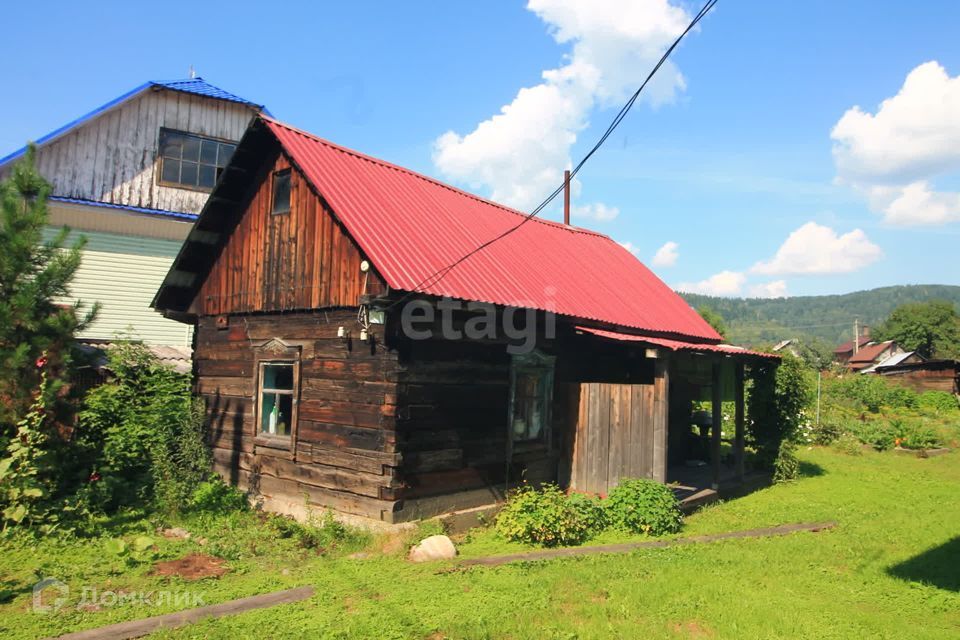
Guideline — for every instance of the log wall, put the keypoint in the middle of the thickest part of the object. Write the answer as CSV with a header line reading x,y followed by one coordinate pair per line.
x,y
344,452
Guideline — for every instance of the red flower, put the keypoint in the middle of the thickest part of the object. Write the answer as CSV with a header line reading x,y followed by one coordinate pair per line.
x,y
41,362
94,476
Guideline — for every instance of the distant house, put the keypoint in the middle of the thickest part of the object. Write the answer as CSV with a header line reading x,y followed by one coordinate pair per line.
x,y
791,346
843,353
131,176
905,357
873,353
340,371
929,375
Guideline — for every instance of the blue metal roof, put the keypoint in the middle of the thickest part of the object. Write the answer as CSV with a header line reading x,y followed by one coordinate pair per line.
x,y
109,205
197,86
201,87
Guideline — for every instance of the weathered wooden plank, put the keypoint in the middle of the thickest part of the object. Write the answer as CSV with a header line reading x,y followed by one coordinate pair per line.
x,y
138,628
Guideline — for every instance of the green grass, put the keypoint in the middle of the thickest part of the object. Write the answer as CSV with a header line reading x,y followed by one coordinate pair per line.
x,y
890,570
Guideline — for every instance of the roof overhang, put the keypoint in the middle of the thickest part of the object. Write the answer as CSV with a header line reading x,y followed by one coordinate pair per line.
x,y
678,345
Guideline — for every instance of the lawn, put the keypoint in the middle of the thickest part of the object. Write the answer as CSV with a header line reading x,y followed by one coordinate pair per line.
x,y
891,569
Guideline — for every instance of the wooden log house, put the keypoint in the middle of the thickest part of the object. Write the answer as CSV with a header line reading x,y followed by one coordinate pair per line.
x,y
346,366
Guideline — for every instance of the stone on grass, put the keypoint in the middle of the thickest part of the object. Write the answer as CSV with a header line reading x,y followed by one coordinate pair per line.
x,y
433,548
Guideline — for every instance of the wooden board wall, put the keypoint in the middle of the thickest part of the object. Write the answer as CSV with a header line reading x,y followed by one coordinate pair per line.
x,y
345,453
113,158
302,259
620,433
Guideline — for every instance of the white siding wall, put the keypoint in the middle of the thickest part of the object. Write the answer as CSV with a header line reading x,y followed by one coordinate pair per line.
x,y
123,273
113,158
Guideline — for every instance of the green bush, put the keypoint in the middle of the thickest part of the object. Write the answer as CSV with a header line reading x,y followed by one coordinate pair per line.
x,y
777,405
938,401
825,433
321,534
849,444
880,435
920,436
216,496
644,506
141,434
545,517
591,509
786,467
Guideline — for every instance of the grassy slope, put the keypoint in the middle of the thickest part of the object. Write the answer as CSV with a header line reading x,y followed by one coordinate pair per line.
x,y
828,318
828,585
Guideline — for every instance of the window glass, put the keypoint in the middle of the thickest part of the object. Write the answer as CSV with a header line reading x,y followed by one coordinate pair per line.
x,y
277,414
276,398
529,402
278,376
281,191
192,161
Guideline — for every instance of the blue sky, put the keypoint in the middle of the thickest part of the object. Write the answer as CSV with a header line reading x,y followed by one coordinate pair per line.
x,y
727,167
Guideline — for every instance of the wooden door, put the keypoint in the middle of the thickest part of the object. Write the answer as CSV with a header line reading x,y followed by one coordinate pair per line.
x,y
620,433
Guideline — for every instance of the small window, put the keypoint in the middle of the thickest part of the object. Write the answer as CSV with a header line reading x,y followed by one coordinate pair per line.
x,y
276,398
531,394
192,161
281,191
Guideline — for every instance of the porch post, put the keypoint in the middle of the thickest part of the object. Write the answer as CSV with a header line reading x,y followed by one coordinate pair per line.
x,y
717,420
661,418
739,418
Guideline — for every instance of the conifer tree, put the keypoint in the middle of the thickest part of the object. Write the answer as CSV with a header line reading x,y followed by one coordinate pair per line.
x,y
37,322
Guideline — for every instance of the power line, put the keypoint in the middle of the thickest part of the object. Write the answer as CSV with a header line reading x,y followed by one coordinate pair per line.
x,y
440,274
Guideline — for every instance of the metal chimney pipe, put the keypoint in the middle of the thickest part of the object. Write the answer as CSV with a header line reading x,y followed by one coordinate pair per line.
x,y
566,197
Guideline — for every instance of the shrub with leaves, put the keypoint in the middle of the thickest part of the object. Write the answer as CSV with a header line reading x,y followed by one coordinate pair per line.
x,y
644,506
545,517
938,401
592,509
142,435
776,405
848,444
786,467
216,496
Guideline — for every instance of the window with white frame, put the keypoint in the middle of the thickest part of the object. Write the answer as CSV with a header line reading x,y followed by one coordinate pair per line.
x,y
277,391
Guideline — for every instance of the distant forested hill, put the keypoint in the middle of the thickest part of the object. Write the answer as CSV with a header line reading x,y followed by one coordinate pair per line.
x,y
758,321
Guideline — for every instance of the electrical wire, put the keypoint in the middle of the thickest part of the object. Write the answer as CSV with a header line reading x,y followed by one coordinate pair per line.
x,y
440,274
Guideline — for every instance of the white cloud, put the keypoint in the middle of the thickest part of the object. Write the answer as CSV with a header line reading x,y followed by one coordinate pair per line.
x,y
632,248
816,249
892,155
596,211
773,289
725,283
519,153
666,256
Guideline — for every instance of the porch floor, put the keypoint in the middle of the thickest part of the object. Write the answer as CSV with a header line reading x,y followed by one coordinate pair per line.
x,y
693,486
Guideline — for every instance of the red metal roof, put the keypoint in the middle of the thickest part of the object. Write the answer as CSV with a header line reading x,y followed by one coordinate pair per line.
x,y
848,345
677,345
410,226
870,352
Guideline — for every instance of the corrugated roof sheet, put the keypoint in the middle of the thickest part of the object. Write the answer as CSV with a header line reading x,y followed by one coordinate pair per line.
x,y
201,87
678,345
411,226
870,352
892,361
848,345
197,86
163,213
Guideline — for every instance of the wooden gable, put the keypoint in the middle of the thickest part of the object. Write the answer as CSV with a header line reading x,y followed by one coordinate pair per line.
x,y
301,259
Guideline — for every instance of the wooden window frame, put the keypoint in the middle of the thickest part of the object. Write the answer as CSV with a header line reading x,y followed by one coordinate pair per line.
x,y
276,351
539,364
202,138
273,192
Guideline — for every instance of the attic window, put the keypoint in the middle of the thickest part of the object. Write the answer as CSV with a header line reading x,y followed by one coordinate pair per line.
x,y
281,191
191,161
